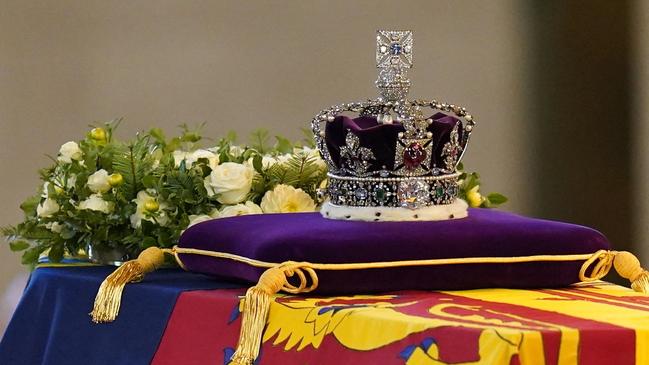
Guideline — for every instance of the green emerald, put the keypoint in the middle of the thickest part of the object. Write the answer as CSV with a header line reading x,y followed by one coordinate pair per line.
x,y
439,191
380,194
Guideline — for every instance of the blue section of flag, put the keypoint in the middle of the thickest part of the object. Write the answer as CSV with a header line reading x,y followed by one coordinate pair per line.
x,y
407,352
51,325
427,343
234,314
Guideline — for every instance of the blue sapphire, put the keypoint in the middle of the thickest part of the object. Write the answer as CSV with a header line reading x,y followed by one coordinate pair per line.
x,y
396,48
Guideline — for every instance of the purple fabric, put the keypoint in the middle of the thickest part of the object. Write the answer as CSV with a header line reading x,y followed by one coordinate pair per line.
x,y
382,138
309,237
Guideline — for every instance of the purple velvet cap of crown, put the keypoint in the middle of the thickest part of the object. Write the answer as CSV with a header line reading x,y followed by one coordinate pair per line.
x,y
310,237
382,138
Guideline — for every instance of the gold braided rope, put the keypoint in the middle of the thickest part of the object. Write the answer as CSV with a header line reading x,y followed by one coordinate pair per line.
x,y
256,303
387,264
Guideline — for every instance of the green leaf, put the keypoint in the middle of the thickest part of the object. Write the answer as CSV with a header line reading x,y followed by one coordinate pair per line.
x,y
471,181
148,242
56,253
30,204
224,156
497,198
257,163
150,181
30,256
158,135
259,140
18,245
283,145
308,140
248,153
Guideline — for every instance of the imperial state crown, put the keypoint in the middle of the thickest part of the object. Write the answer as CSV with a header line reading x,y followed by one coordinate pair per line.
x,y
393,158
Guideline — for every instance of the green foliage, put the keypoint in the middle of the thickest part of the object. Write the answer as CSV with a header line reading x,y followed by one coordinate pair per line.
x,y
301,170
133,161
154,171
259,140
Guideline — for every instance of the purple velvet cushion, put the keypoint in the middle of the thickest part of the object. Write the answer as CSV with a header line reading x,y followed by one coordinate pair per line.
x,y
309,237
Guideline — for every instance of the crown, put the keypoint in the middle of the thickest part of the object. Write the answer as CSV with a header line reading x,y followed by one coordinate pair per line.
x,y
393,158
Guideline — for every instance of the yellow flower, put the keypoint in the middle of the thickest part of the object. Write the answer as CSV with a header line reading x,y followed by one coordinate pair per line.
x,y
115,179
286,199
473,197
144,203
151,206
98,135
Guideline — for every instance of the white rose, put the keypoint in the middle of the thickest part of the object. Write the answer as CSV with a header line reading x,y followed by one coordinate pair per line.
x,y
211,157
96,203
192,157
195,219
70,151
236,151
98,182
159,216
287,199
55,227
47,208
240,209
230,182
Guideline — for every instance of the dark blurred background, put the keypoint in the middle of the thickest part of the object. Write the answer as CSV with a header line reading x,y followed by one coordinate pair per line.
x,y
558,88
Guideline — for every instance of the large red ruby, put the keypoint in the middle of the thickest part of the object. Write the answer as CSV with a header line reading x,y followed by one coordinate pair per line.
x,y
413,156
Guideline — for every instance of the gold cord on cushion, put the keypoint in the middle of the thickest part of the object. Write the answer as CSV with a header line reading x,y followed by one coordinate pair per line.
x,y
109,296
385,264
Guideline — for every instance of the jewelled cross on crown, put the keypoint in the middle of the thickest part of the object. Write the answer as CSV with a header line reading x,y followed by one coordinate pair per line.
x,y
393,58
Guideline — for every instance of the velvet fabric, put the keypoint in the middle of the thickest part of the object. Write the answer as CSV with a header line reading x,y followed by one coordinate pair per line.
x,y
310,237
382,138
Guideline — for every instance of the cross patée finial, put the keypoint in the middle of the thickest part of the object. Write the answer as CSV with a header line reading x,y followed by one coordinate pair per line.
x,y
393,58
394,48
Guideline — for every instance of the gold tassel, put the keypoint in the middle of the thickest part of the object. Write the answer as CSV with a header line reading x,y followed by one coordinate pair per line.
x,y
109,296
256,306
628,266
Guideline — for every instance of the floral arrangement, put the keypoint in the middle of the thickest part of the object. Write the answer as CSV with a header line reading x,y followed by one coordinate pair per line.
x,y
130,195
